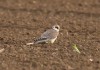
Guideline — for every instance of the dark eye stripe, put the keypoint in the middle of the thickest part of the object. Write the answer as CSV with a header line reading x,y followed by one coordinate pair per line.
x,y
56,27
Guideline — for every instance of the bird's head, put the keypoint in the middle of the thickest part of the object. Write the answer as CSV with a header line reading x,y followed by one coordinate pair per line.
x,y
56,27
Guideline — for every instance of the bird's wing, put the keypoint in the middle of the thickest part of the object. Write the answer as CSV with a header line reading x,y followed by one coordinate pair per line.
x,y
50,34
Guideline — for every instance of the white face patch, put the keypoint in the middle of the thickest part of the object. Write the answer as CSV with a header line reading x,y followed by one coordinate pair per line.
x,y
56,27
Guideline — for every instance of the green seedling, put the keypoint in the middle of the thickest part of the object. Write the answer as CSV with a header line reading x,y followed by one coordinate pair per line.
x,y
76,48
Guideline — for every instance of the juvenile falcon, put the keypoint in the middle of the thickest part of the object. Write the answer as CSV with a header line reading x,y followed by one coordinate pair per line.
x,y
48,36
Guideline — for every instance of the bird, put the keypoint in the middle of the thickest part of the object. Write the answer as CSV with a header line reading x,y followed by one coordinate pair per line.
x,y
49,36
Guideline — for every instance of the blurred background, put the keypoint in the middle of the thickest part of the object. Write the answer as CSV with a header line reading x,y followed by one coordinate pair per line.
x,y
21,21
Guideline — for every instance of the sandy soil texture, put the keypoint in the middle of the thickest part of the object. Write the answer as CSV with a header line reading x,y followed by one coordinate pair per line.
x,y
21,21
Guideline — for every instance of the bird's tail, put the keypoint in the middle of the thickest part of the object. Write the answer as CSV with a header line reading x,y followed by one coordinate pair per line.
x,y
30,43
38,41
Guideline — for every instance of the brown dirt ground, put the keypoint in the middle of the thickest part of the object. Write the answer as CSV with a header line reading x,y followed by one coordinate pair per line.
x,y
23,20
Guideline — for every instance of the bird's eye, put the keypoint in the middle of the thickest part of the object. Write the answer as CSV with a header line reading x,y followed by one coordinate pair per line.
x,y
56,27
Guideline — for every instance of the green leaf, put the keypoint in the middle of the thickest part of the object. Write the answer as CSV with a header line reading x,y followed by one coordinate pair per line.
x,y
76,48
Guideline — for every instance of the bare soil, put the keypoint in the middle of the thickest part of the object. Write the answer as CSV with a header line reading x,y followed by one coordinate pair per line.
x,y
21,21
